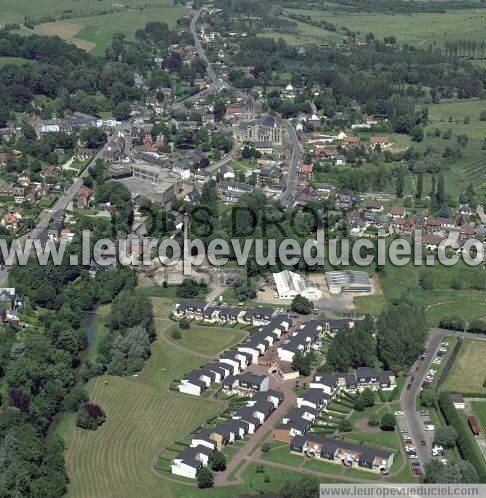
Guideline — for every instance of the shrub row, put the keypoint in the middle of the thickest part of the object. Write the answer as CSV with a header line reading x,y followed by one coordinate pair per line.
x,y
464,442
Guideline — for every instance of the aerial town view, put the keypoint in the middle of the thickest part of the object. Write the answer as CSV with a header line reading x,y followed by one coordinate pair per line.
x,y
242,248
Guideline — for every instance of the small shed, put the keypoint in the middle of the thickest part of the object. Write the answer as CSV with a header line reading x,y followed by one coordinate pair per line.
x,y
474,424
458,401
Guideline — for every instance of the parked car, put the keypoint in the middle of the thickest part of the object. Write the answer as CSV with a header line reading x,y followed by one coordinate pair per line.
x,y
413,456
423,443
414,464
398,413
416,471
424,413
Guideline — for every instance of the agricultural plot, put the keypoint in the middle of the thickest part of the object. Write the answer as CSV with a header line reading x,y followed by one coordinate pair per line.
x,y
414,29
88,29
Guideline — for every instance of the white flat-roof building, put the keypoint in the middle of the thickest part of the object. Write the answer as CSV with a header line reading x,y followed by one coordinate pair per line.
x,y
290,284
348,281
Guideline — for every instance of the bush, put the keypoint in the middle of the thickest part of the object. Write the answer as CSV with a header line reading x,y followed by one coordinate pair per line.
x,y
184,324
345,426
90,416
205,478
477,327
176,335
374,420
388,422
464,442
265,447
452,322
217,461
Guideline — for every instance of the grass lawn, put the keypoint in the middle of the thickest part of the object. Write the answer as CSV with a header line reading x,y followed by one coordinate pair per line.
x,y
277,477
281,454
209,340
323,466
366,413
362,474
379,438
143,417
480,411
16,61
469,370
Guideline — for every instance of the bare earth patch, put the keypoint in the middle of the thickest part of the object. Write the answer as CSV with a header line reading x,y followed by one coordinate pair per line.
x,y
67,31
362,425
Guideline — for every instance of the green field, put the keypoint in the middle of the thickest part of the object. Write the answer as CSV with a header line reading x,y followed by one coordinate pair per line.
x,y
88,30
209,340
16,61
414,29
469,370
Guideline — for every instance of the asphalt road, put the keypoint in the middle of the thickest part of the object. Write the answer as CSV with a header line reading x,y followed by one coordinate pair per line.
x,y
216,84
60,204
413,420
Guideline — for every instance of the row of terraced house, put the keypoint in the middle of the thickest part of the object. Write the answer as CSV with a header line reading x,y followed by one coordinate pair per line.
x,y
229,369
297,423
246,420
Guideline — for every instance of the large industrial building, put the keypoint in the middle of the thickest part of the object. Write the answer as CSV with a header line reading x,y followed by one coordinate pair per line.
x,y
348,281
290,284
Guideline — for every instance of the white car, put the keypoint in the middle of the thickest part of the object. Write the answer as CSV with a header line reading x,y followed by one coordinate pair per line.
x,y
398,413
410,447
413,456
429,427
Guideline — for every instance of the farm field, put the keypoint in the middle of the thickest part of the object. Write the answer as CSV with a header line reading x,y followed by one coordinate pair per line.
x,y
468,373
450,114
414,29
442,300
92,33
209,340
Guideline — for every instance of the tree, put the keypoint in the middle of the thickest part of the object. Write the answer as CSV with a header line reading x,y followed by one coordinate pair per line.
x,y
266,447
426,280
452,322
420,185
244,289
428,397
400,182
217,460
477,326
300,487
302,363
368,397
401,333
190,288
446,436
345,426
94,138
90,416
417,133
388,422
301,305
122,111
219,110
374,420
482,116
359,404
440,196
205,478
452,472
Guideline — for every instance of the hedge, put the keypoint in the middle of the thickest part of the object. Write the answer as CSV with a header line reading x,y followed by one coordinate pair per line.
x,y
464,442
381,394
